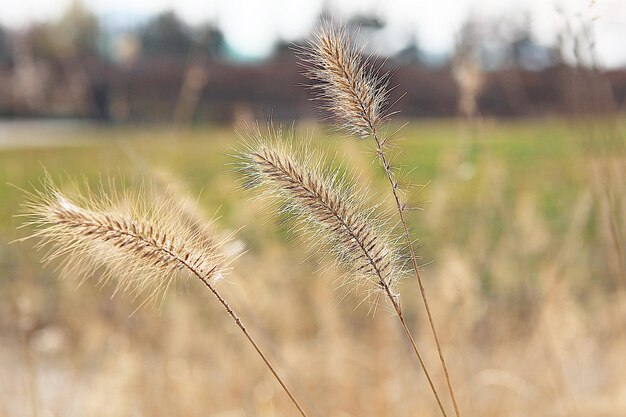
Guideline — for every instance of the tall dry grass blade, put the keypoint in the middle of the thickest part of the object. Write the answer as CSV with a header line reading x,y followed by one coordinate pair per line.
x,y
143,246
336,216
357,95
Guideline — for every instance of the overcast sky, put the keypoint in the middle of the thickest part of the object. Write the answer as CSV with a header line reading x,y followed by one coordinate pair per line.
x,y
252,26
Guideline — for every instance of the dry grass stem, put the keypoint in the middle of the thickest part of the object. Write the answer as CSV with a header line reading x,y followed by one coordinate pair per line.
x,y
337,216
357,95
143,246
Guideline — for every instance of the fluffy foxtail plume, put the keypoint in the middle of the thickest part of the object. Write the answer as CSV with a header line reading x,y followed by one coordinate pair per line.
x,y
330,213
356,95
336,217
353,92
141,244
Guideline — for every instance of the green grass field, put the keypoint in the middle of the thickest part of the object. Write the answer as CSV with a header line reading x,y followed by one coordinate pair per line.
x,y
539,157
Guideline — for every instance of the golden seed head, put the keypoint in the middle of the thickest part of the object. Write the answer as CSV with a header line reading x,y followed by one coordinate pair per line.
x,y
352,91
332,215
141,242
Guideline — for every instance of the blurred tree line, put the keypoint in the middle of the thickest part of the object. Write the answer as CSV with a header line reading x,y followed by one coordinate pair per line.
x,y
165,70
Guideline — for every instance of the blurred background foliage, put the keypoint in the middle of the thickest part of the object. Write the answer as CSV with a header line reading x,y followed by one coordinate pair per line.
x,y
162,69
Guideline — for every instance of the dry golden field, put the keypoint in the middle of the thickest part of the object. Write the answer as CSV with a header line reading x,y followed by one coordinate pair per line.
x,y
520,224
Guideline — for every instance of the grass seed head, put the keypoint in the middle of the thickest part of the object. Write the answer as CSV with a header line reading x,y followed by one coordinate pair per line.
x,y
353,92
138,239
333,216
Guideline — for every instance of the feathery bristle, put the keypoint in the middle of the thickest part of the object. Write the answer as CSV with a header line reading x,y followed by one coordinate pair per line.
x,y
332,214
353,92
142,244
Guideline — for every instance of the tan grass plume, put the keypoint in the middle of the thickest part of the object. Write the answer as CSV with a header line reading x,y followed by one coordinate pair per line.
x,y
354,93
333,217
357,94
338,218
142,245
